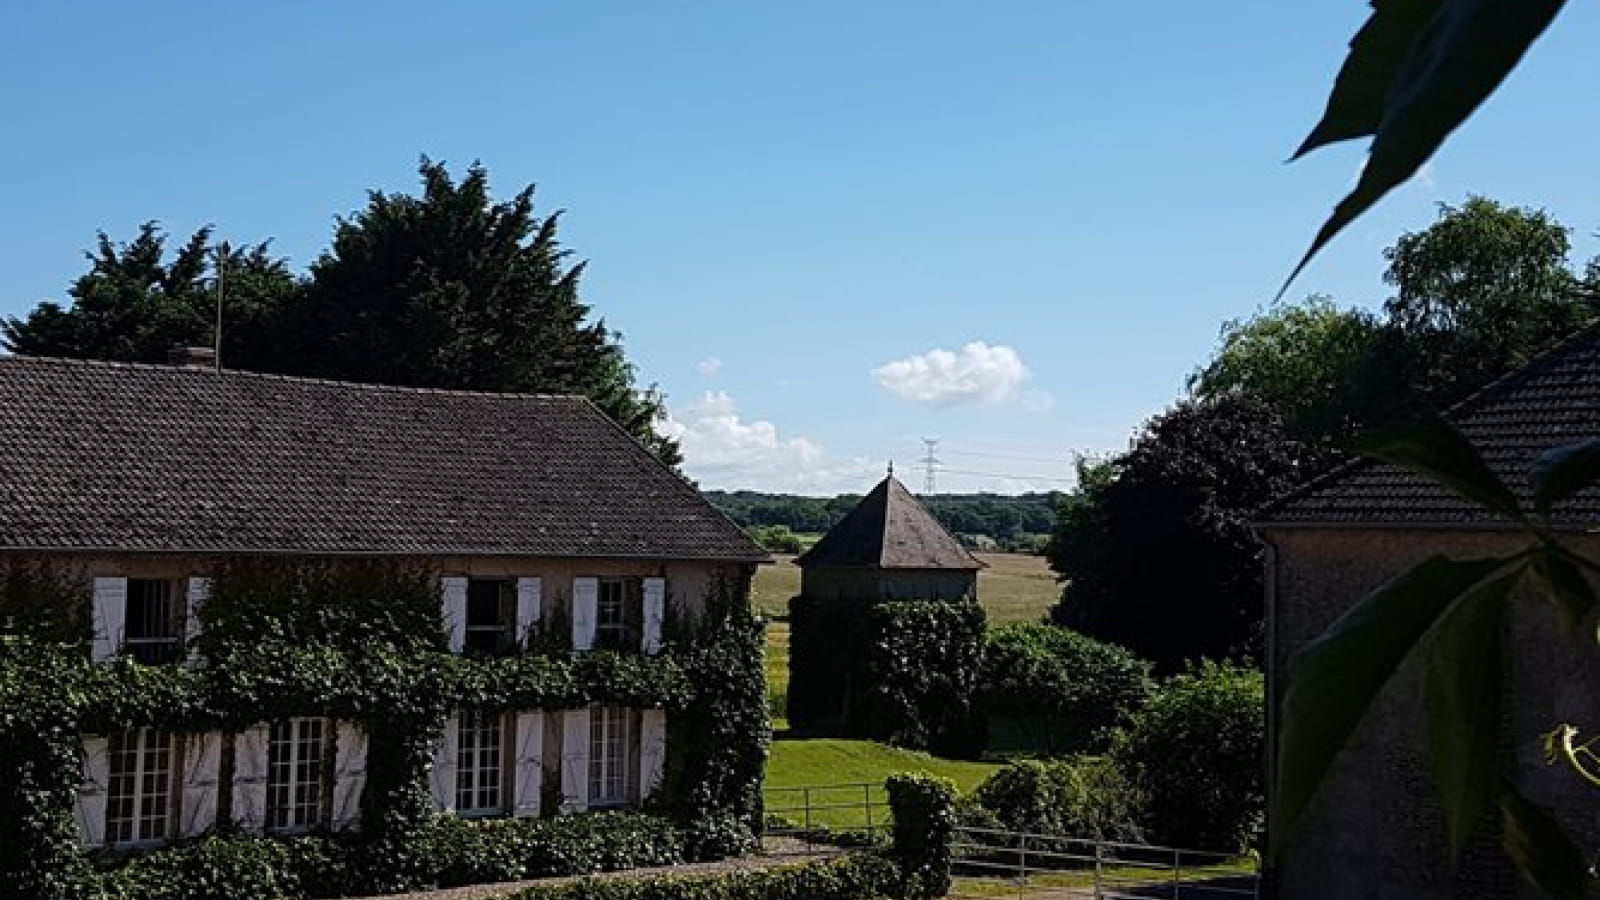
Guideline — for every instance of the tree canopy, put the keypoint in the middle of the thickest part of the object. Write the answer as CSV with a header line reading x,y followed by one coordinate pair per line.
x,y
446,289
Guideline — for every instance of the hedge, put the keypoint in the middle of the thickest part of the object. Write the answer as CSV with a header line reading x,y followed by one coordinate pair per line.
x,y
856,876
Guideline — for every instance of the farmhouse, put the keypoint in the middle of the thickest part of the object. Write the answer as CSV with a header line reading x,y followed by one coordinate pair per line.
x,y
1375,828
534,517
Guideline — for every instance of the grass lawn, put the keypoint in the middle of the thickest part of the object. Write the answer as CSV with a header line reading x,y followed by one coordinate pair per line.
x,y
801,763
777,666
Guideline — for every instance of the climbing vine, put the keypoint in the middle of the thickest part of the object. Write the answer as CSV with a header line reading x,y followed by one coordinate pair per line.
x,y
363,643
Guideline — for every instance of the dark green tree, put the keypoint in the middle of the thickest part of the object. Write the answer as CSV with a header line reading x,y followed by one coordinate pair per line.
x,y
1156,549
135,303
452,289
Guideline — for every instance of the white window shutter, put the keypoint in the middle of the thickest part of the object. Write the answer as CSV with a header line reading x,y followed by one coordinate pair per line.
x,y
443,777
530,599
110,615
528,777
91,805
652,751
585,611
454,594
250,778
198,808
198,593
575,761
655,610
350,775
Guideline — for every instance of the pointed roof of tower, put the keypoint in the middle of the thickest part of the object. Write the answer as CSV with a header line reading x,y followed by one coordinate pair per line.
x,y
889,529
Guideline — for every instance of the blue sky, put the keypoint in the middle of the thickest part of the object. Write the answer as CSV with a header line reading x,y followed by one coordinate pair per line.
x,y
788,207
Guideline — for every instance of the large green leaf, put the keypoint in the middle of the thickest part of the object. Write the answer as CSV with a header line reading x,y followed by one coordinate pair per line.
x,y
1560,472
1569,587
1332,680
1541,848
1452,65
1356,104
1433,447
1464,701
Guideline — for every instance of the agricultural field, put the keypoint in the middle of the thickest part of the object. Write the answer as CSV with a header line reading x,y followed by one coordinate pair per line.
x,y
1014,588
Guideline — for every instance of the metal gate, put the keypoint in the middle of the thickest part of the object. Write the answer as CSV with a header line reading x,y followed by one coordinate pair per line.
x,y
989,863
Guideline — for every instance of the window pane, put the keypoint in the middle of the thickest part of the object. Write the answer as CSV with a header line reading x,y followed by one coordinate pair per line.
x,y
151,628
478,761
294,774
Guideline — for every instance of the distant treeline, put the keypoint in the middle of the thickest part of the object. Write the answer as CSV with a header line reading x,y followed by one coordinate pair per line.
x,y
999,516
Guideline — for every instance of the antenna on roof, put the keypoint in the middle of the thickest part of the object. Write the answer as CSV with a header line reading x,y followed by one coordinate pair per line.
x,y
222,268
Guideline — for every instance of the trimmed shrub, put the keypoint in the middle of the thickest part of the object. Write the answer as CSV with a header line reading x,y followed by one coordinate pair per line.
x,y
855,877
1198,750
1061,690
466,851
921,676
1078,798
924,821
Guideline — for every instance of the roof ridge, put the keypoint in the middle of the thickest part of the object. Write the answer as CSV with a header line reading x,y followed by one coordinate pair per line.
x,y
1453,414
275,376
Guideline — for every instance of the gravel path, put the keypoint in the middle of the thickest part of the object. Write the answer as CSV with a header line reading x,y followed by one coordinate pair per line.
x,y
780,855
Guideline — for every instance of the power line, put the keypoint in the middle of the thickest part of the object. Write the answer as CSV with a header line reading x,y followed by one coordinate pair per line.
x,y
930,464
1011,475
1027,456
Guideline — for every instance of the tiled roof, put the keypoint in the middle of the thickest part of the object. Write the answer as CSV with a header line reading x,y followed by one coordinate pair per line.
x,y
889,529
98,455
1554,400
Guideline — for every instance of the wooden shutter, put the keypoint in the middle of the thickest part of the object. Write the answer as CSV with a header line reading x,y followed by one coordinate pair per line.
x,y
528,759
585,612
652,751
110,615
530,598
91,805
655,610
250,778
575,761
201,761
443,776
350,775
454,597
198,593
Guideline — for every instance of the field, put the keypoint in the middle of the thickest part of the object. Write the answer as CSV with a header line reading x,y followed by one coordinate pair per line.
x,y
796,763
1014,588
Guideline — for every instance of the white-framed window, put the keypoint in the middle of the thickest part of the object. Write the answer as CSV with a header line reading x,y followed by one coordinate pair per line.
x,y
297,754
491,616
619,614
480,763
613,733
152,632
139,787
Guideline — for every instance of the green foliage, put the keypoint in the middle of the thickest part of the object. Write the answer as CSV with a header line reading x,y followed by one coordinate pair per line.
x,y
1417,70
38,600
1196,750
858,876
924,823
474,851
1083,797
1071,688
1451,614
449,289
777,538
920,679
827,647
1006,518
1157,550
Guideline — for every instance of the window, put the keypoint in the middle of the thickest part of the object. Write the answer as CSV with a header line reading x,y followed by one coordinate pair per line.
x,y
139,787
480,763
611,737
151,634
491,616
619,616
295,756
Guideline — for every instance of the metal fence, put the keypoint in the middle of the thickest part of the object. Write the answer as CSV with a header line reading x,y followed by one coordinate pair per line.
x,y
990,863
825,818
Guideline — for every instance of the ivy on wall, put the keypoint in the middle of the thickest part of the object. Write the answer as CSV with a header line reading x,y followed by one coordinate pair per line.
x,y
359,641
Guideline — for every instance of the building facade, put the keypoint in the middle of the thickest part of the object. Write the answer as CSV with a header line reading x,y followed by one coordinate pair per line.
x,y
534,517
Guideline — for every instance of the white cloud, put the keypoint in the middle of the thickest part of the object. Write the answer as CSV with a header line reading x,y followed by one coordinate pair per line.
x,y
709,367
977,373
722,449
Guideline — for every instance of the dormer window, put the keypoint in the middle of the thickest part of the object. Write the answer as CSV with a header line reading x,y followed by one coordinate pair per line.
x,y
491,616
153,632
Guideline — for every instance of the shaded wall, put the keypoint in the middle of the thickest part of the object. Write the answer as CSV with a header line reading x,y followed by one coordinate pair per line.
x,y
828,583
1375,829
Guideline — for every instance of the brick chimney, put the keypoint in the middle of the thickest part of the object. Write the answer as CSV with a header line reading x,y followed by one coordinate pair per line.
x,y
192,357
